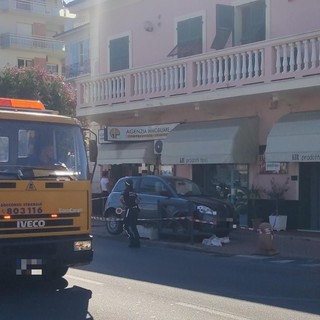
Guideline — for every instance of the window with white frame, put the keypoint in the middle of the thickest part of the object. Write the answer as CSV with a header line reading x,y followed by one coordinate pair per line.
x,y
52,68
22,63
119,53
78,58
243,23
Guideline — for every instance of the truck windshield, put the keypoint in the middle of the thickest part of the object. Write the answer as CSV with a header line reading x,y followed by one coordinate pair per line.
x,y
36,149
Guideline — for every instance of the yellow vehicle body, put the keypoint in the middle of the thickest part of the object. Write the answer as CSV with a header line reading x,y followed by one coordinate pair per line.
x,y
45,208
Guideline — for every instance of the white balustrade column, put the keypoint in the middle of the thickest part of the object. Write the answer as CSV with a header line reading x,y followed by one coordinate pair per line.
x,y
244,65
278,60
215,71
299,56
291,58
238,66
250,65
232,71
176,78
284,59
262,62
198,73
220,72
305,55
313,53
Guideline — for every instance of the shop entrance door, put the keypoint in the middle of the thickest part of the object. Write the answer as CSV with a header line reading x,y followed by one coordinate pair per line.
x,y
310,195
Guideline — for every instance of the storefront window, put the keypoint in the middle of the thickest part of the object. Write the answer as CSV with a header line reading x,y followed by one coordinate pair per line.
x,y
224,181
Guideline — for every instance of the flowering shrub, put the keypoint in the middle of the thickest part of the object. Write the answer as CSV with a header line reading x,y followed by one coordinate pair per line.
x,y
36,84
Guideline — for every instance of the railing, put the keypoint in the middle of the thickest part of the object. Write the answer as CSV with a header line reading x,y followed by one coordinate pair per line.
x,y
10,40
77,69
262,62
38,7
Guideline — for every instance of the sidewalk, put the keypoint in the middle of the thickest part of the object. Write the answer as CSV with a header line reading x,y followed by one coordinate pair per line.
x,y
287,244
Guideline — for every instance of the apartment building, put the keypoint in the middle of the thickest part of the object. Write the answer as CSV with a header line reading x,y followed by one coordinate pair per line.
x,y
27,34
225,92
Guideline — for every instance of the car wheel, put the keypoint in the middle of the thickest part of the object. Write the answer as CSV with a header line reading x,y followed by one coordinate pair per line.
x,y
113,224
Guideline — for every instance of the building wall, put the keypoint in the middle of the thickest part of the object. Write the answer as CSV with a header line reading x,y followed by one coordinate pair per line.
x,y
286,17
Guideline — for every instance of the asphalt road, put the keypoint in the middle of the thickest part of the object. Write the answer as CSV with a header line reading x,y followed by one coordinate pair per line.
x,y
163,283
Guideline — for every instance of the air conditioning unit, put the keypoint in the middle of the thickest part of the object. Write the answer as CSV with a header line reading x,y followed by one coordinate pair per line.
x,y
157,147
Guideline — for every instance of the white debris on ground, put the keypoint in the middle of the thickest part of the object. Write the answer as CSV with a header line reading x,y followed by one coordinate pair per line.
x,y
215,241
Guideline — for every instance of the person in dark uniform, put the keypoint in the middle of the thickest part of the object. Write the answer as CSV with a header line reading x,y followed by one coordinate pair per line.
x,y
129,200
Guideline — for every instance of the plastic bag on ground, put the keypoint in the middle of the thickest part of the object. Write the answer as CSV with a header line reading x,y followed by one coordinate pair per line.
x,y
212,241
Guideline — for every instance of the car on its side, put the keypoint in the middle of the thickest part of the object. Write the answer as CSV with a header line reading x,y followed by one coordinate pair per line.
x,y
170,203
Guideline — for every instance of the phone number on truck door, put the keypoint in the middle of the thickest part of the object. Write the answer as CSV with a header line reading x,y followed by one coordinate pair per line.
x,y
21,208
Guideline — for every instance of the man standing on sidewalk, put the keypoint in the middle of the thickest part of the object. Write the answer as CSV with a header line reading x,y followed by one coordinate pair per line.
x,y
104,182
129,200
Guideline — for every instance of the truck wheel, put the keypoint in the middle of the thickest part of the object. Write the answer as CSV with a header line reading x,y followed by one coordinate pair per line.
x,y
114,226
56,273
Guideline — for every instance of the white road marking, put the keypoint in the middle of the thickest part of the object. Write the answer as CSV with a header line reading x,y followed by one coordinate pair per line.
x,y
252,257
211,311
282,261
310,265
84,280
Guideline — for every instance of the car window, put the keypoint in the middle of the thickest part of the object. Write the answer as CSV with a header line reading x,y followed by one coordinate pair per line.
x,y
148,186
120,185
153,186
184,187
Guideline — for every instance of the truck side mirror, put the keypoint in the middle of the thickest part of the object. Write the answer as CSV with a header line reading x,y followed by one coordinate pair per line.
x,y
93,150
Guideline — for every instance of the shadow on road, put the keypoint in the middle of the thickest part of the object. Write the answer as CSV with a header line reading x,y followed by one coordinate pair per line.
x,y
36,299
262,280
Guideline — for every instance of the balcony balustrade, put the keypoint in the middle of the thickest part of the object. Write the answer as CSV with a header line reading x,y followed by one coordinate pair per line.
x,y
36,7
261,62
77,69
10,40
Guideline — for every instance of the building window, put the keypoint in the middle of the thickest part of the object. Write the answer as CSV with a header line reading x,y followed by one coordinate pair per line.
x,y
189,38
244,23
119,54
52,68
224,26
25,63
253,22
23,5
78,59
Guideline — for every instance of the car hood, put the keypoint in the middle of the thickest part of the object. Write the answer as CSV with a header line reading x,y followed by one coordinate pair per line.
x,y
208,201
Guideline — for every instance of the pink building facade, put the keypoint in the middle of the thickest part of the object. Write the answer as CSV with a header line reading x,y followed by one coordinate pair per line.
x,y
224,92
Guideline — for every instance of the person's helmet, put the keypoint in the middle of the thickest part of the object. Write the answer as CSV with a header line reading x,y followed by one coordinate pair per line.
x,y
129,183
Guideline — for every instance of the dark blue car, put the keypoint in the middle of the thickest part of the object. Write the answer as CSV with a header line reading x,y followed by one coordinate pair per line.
x,y
171,203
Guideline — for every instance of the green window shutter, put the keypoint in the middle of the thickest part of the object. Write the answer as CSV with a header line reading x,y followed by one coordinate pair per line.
x,y
224,26
189,34
119,54
254,22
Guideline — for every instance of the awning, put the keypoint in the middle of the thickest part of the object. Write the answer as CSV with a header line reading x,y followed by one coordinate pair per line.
x,y
125,152
295,138
221,141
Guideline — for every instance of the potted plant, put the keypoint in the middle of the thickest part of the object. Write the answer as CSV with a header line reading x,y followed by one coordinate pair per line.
x,y
276,193
254,194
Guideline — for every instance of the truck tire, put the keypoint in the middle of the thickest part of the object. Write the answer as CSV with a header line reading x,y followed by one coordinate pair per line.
x,y
113,225
56,273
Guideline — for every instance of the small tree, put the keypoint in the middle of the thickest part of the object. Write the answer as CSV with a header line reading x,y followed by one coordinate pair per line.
x,y
37,84
277,192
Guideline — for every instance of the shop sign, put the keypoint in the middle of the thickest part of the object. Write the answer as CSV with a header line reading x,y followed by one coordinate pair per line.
x,y
273,166
193,160
305,157
138,133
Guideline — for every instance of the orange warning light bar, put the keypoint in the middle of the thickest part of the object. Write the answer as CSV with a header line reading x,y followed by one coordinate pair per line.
x,y
7,217
20,103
